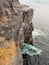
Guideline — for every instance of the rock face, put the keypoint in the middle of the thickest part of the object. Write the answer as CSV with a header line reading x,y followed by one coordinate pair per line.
x,y
16,27
9,52
17,18
27,19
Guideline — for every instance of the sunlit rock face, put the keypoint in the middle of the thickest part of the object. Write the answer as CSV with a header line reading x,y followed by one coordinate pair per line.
x,y
9,52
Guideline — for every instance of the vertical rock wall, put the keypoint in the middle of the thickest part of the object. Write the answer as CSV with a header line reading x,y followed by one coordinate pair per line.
x,y
15,27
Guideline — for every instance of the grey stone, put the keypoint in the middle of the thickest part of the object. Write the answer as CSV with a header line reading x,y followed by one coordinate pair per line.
x,y
16,24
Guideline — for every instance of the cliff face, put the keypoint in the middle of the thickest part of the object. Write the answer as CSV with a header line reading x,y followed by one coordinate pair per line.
x,y
15,27
17,19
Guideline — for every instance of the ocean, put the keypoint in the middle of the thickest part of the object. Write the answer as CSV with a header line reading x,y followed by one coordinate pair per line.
x,y
41,25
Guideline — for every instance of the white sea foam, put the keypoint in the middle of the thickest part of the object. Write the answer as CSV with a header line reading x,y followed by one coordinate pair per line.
x,y
38,32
